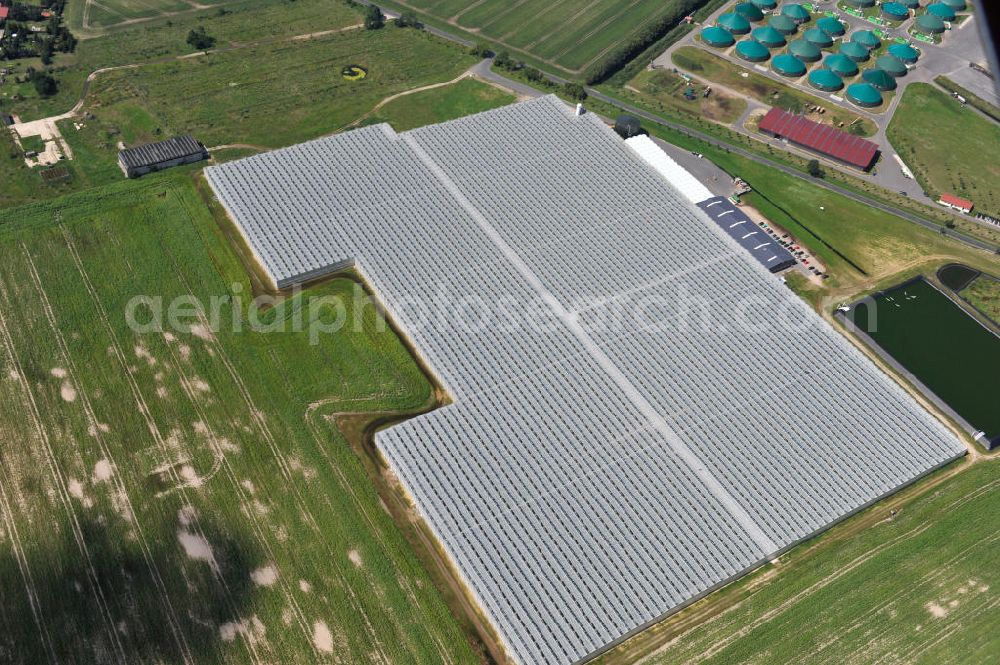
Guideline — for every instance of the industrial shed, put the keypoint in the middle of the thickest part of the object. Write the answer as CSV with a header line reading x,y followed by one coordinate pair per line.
x,y
143,159
585,479
823,139
735,223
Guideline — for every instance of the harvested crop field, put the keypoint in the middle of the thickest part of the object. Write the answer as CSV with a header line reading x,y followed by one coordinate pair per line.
x,y
183,496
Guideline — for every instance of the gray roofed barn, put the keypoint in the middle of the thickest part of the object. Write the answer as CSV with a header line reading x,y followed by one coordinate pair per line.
x,y
150,157
588,478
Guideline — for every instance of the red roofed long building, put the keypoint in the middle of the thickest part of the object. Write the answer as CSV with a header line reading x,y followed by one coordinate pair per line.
x,y
823,139
4,13
952,201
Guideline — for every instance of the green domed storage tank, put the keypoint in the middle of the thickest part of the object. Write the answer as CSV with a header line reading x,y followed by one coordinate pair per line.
x,y
768,36
796,12
942,11
735,23
864,94
717,37
788,65
819,38
750,11
831,26
867,38
825,80
752,51
929,24
854,51
841,65
956,5
783,24
892,65
894,11
880,79
805,51
904,52
766,5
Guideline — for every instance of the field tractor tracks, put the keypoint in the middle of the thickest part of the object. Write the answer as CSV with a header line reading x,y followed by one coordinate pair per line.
x,y
116,478
34,414
143,409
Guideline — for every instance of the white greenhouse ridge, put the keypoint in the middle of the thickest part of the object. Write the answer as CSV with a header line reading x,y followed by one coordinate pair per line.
x,y
586,481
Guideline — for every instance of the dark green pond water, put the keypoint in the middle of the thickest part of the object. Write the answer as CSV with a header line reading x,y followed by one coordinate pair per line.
x,y
948,350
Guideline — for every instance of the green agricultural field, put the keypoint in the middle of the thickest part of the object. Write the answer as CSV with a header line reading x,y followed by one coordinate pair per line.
x,y
245,22
567,34
920,587
943,144
664,90
699,62
459,99
90,15
271,95
185,495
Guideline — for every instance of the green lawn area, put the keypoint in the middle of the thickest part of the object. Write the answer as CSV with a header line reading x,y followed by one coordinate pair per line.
x,y
32,144
243,22
918,588
699,62
187,494
984,293
460,99
665,90
944,144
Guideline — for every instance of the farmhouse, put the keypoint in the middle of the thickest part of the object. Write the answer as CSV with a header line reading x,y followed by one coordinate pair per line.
x,y
622,437
956,203
823,139
175,151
